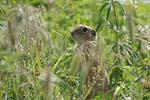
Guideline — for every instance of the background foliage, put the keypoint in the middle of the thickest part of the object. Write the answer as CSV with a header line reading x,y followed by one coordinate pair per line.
x,y
36,49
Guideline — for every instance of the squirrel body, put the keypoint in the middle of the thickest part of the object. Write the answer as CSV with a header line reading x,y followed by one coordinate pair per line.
x,y
96,75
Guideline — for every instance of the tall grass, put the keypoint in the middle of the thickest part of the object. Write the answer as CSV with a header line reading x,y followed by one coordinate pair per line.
x,y
36,50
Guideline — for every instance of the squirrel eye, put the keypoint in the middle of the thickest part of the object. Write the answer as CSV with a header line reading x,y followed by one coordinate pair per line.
x,y
85,29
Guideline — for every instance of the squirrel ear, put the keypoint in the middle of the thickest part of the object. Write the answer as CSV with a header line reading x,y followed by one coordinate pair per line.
x,y
93,32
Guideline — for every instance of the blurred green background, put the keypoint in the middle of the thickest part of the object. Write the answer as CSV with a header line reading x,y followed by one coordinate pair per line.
x,y
36,48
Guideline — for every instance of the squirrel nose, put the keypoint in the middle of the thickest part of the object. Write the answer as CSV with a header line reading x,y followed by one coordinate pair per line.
x,y
72,32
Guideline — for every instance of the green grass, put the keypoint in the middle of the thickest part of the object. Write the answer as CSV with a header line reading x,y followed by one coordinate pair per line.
x,y
36,49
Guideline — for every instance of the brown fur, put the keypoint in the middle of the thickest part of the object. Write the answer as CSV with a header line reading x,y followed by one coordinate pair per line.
x,y
97,79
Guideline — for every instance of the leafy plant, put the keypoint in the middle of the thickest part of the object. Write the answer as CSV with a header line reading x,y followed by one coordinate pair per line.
x,y
36,50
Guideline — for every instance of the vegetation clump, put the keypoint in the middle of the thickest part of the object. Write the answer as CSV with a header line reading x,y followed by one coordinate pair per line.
x,y
36,49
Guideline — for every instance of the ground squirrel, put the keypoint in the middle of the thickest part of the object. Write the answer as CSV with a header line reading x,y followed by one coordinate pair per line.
x,y
96,78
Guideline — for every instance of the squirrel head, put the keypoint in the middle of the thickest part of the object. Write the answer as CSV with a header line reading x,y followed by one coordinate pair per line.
x,y
83,33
